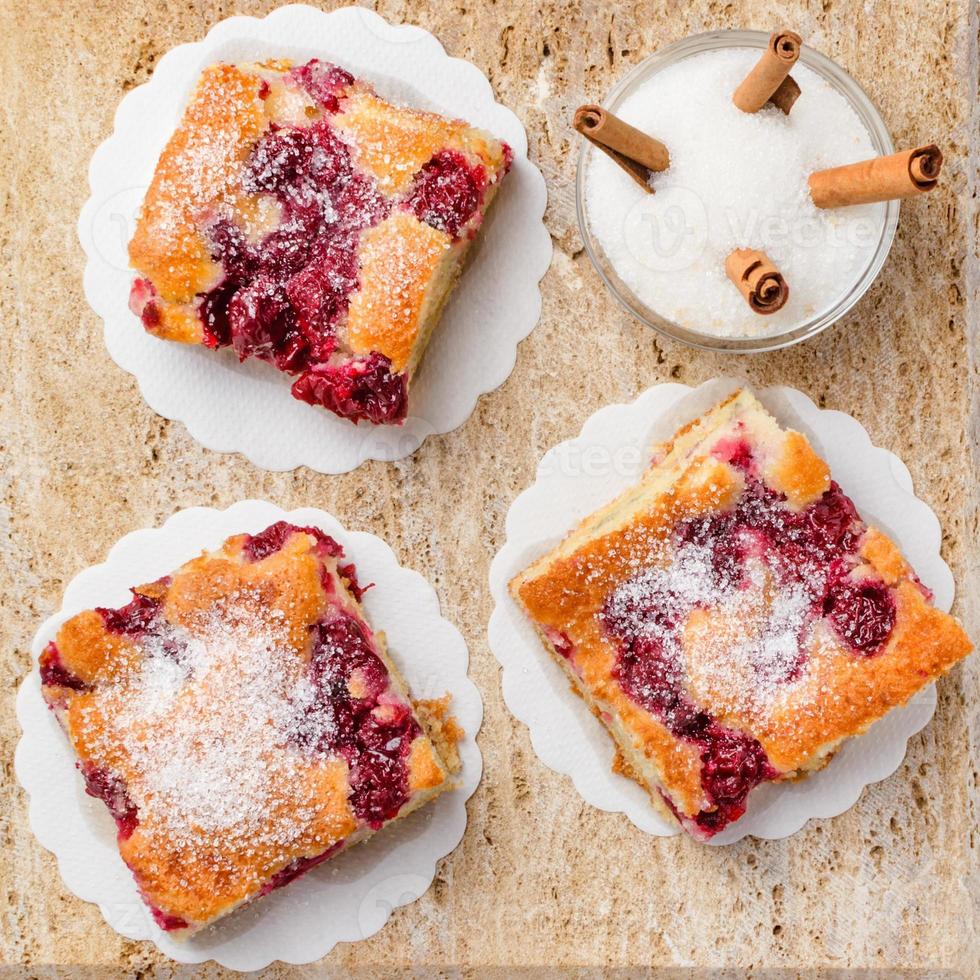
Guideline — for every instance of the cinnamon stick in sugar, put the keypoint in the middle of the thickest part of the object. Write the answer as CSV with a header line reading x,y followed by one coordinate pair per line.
x,y
759,281
769,75
786,95
879,179
637,153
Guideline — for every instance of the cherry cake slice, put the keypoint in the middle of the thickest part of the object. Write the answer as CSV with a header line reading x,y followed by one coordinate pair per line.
x,y
243,723
731,619
297,217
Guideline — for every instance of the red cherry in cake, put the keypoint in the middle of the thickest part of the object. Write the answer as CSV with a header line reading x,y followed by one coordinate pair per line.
x,y
260,318
649,676
134,619
109,788
379,777
826,525
736,451
231,248
361,388
324,81
358,203
320,294
733,764
142,297
375,736
299,867
55,674
349,572
561,642
861,613
271,540
167,922
213,313
447,191
283,296
282,163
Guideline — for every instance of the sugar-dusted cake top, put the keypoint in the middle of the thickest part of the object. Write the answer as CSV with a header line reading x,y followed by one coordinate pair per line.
x,y
240,720
738,615
297,217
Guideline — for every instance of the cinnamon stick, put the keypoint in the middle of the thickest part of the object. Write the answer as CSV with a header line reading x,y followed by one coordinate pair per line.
x,y
759,281
769,73
637,153
879,179
786,95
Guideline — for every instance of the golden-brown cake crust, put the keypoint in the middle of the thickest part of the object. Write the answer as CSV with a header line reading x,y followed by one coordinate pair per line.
x,y
398,260
393,142
200,167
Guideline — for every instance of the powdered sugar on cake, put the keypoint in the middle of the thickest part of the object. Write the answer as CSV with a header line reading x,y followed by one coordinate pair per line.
x,y
757,626
209,722
733,603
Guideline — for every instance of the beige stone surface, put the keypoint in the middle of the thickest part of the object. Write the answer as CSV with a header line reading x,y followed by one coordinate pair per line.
x,y
541,877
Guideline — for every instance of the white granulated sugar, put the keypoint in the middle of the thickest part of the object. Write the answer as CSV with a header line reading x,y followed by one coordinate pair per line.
x,y
736,180
760,627
208,722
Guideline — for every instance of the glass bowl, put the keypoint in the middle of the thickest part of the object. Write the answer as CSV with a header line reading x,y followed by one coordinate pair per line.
x,y
880,139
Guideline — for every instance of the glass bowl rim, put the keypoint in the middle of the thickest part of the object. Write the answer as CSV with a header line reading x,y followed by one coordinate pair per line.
x,y
866,111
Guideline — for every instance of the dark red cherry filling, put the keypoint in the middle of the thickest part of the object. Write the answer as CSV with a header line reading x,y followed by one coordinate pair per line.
x,y
447,191
349,572
135,618
271,540
828,525
379,774
861,613
298,868
319,295
562,643
360,388
325,82
282,297
213,313
166,921
55,674
260,319
810,553
372,734
732,765
735,450
109,788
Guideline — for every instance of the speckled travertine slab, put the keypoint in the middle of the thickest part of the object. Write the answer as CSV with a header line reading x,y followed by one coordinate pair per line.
x,y
541,878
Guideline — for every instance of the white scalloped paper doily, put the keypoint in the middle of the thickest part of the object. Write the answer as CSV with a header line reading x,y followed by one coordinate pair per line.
x,y
575,478
247,408
343,900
